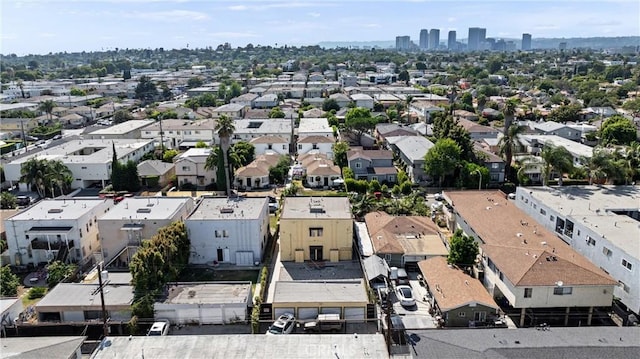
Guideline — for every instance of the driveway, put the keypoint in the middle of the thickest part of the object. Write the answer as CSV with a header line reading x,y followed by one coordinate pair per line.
x,y
416,317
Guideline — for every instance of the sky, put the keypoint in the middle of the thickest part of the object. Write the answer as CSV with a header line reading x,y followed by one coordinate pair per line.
x,y
43,26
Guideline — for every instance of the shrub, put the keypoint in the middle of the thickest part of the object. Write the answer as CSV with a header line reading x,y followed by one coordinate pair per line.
x,y
37,292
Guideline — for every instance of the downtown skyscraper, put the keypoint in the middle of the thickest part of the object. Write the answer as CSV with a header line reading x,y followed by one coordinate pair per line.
x,y
476,39
424,40
434,39
452,45
526,42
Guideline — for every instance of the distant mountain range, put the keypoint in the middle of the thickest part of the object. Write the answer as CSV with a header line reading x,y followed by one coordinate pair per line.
x,y
536,43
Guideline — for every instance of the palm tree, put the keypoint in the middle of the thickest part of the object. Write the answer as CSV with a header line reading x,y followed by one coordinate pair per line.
x,y
60,175
632,158
34,172
225,128
509,144
47,106
509,111
556,159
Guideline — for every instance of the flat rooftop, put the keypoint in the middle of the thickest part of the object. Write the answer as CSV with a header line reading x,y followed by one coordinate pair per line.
x,y
58,209
208,293
593,206
263,126
223,208
314,125
174,124
147,208
316,207
122,128
40,347
576,342
87,151
317,346
81,295
343,291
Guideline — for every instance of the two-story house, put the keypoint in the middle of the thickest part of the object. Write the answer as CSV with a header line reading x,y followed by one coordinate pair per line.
x,y
190,168
255,175
372,164
411,151
316,229
122,229
55,229
270,145
233,230
182,134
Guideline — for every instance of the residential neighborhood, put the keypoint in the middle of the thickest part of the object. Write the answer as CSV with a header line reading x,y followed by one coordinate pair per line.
x,y
459,199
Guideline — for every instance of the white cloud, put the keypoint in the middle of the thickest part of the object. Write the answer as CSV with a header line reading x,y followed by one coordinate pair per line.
x,y
314,14
261,6
372,25
170,15
451,19
238,7
47,34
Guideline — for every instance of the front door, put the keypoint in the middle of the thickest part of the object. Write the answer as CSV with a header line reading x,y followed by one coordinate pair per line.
x,y
480,316
315,253
220,255
326,181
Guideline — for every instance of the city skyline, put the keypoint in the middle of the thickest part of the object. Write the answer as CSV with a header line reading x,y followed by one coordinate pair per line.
x,y
40,27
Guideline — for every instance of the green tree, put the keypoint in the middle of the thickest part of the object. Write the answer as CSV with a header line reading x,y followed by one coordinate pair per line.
x,y
617,130
358,121
330,104
42,173
632,105
201,144
276,112
403,76
57,271
207,100
225,128
463,250
47,107
442,159
245,151
193,104
374,186
509,144
279,172
194,82
146,90
556,160
169,155
77,92
565,113
59,175
340,150
494,65
9,282
7,200
121,116
235,90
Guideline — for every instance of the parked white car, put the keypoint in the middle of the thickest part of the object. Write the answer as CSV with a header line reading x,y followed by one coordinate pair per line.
x,y
283,325
159,329
405,296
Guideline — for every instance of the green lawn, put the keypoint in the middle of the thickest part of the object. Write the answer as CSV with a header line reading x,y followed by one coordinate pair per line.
x,y
193,274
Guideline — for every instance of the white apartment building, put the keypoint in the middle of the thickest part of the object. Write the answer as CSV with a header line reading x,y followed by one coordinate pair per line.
x,y
270,145
182,133
190,168
88,160
223,230
56,229
599,222
129,129
246,130
122,229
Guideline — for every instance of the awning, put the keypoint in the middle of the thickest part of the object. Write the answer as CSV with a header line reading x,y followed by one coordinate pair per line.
x,y
49,230
132,227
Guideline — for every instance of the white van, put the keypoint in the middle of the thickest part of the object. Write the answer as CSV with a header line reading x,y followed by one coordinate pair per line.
x,y
399,276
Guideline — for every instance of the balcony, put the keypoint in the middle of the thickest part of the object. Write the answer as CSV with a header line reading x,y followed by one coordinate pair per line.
x,y
54,245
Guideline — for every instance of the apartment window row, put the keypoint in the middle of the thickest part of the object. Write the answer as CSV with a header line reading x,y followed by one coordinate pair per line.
x,y
626,264
224,233
315,232
562,290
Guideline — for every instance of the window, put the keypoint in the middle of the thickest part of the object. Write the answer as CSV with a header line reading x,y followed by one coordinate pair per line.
x,y
543,212
270,146
284,147
147,132
315,146
217,234
552,218
528,292
568,229
387,257
225,233
495,165
462,314
315,232
626,264
625,287
299,147
358,165
606,251
186,168
562,290
534,205
591,241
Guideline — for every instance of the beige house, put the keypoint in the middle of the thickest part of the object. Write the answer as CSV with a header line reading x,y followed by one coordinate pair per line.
x,y
316,229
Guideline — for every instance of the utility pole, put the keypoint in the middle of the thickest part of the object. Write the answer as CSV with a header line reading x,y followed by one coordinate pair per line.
x,y
24,138
101,285
161,137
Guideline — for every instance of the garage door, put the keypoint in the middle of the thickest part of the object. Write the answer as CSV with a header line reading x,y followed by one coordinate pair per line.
x,y
307,313
354,314
279,311
244,258
329,310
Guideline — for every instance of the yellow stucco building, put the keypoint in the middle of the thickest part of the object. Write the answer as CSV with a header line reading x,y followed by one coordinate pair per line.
x,y
318,229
